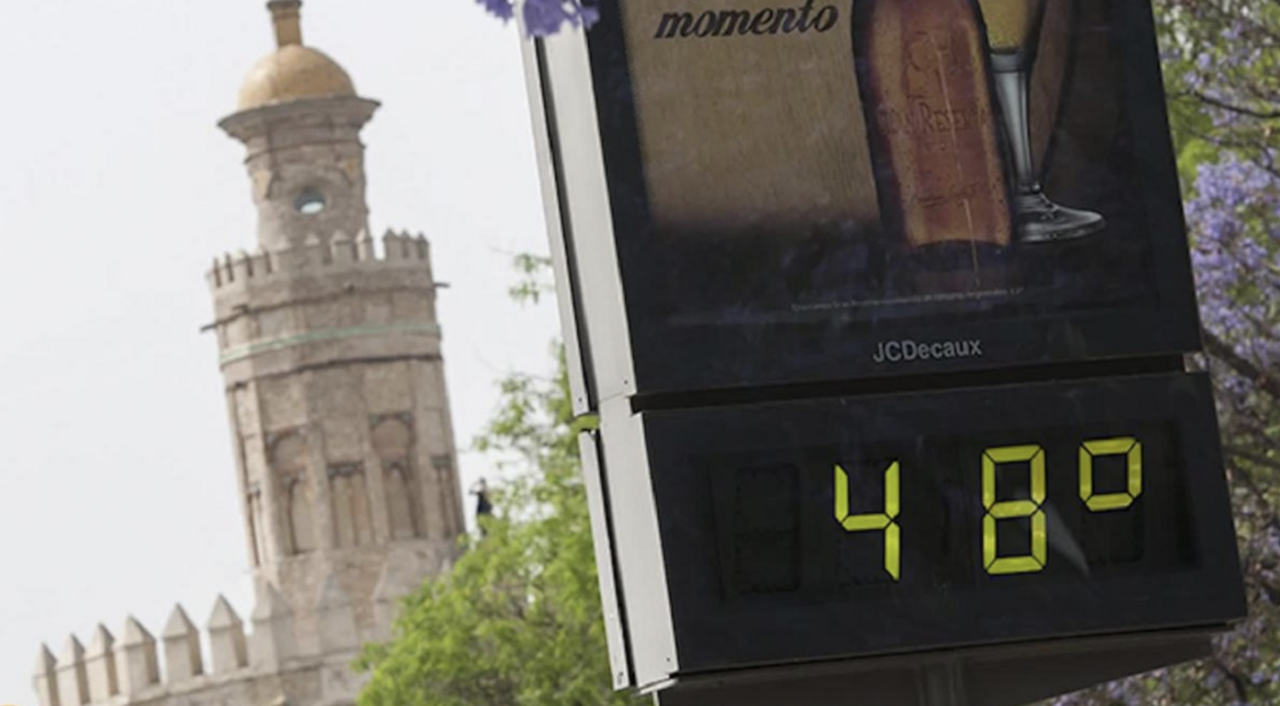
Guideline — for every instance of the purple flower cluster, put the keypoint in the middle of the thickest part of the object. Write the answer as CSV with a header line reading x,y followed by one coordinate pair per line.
x,y
1234,219
1229,67
543,18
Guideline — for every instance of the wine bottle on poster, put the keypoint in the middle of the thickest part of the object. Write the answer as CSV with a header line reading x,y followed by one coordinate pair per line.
x,y
934,135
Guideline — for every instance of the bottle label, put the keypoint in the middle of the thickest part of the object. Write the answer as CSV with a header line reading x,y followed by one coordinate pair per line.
x,y
932,109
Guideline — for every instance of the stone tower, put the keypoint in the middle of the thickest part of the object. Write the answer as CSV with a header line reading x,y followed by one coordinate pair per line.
x,y
330,352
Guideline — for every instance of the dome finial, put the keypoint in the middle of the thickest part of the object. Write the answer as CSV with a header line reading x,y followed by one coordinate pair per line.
x,y
288,23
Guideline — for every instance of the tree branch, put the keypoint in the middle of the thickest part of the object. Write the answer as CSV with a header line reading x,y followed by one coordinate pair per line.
x,y
1255,458
1237,681
1223,351
1225,105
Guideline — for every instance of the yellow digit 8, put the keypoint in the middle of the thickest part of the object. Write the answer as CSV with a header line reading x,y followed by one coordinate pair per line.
x,y
1009,509
1131,449
874,521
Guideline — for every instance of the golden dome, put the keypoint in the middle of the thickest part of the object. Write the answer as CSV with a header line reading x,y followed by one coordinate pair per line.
x,y
292,71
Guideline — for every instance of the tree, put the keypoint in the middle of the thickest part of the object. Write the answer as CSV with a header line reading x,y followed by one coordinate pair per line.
x,y
518,621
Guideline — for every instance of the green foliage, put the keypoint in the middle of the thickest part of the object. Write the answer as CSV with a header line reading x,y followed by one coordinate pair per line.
x,y
1189,122
518,621
534,278
1194,153
1222,75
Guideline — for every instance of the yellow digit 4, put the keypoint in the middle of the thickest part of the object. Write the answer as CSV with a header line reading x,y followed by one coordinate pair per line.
x,y
1009,509
874,521
1131,449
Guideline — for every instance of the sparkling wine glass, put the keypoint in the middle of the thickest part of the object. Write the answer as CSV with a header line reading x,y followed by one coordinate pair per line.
x,y
1012,30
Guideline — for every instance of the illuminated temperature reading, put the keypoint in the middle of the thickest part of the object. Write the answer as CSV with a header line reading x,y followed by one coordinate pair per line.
x,y
1131,449
1030,507
875,521
1012,509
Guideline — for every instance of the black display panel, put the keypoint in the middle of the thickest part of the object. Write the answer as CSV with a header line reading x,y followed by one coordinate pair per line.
x,y
782,210
854,527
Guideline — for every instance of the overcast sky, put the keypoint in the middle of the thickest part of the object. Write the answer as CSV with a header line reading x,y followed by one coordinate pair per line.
x,y
117,190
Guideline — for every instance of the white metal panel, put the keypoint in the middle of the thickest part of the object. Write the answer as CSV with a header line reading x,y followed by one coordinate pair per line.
x,y
575,352
637,543
602,540
590,254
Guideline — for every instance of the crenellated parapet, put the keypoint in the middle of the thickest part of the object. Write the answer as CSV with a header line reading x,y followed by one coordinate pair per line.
x,y
219,664
340,253
324,301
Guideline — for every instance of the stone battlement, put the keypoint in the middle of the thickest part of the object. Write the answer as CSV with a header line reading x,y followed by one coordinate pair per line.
x,y
270,658
340,253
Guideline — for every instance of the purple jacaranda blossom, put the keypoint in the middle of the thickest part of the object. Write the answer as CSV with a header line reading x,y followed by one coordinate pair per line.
x,y
502,9
545,17
1234,219
588,15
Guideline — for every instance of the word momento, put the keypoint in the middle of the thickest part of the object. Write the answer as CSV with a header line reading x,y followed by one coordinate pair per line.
x,y
908,350
728,23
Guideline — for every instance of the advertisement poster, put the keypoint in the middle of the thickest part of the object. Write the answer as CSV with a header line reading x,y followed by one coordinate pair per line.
x,y
853,186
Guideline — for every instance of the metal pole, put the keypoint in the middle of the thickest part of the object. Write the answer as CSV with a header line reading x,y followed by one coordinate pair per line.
x,y
942,684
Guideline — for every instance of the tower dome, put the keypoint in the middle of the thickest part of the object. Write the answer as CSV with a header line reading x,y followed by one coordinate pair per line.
x,y
292,71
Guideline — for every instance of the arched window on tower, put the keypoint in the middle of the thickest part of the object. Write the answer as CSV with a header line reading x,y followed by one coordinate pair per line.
x,y
351,523
393,443
289,466
399,507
